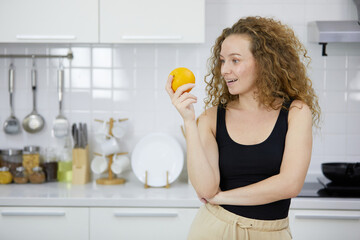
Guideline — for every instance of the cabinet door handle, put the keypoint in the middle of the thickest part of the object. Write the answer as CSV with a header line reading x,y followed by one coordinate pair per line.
x,y
45,37
151,37
144,214
327,217
32,213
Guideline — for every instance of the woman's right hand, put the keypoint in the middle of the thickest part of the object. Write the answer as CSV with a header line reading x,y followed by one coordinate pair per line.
x,y
182,100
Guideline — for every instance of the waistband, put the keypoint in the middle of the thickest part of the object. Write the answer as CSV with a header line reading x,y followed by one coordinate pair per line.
x,y
247,223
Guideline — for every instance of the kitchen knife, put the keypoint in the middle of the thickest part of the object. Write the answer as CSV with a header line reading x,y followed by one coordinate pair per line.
x,y
80,136
85,135
76,137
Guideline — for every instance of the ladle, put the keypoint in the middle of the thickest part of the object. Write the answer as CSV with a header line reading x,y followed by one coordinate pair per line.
x,y
11,125
33,122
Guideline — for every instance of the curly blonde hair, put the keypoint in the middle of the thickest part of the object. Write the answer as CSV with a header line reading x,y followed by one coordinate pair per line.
x,y
281,61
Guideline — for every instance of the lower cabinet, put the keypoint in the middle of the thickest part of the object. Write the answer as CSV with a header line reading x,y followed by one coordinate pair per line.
x,y
45,223
42,223
152,223
140,223
324,224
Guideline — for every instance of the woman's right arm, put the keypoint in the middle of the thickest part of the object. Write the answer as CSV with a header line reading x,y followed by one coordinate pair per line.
x,y
202,149
202,155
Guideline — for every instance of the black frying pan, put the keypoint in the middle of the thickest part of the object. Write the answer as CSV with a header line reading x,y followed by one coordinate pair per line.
x,y
346,173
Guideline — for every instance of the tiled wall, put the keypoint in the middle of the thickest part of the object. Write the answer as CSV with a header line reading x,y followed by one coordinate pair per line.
x,y
119,81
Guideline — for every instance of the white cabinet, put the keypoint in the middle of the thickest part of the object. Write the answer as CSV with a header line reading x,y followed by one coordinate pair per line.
x,y
120,21
44,223
325,224
155,21
49,21
140,223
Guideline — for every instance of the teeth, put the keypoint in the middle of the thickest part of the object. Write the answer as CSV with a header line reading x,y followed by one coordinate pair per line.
x,y
229,81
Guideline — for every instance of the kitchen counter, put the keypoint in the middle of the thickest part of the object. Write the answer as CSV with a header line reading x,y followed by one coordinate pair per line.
x,y
133,194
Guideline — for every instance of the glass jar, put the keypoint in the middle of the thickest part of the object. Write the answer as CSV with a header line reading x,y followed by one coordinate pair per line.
x,y
31,158
11,158
37,175
20,176
5,175
50,165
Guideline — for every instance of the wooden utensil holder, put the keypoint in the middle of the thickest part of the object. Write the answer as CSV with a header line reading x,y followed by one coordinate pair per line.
x,y
81,166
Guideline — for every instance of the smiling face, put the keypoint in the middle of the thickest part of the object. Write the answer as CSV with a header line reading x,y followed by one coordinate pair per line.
x,y
238,66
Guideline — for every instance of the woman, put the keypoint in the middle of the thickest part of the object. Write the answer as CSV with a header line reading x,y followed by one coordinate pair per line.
x,y
249,153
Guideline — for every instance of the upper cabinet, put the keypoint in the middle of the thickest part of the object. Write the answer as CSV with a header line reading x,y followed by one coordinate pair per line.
x,y
155,21
102,21
49,21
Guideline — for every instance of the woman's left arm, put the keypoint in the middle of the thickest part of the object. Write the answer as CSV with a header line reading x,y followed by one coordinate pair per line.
x,y
294,166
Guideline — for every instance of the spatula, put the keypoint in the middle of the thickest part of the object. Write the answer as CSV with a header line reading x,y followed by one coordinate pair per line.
x,y
60,124
11,125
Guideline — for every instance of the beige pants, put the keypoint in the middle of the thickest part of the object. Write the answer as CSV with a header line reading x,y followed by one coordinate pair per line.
x,y
213,222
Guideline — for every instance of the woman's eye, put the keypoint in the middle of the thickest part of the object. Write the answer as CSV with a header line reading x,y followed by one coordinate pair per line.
x,y
222,61
235,61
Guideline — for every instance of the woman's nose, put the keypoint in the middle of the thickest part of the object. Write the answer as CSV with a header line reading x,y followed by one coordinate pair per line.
x,y
225,68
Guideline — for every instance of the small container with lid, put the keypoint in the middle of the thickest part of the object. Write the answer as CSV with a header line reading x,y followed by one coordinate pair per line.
x,y
11,158
31,158
5,175
20,176
37,175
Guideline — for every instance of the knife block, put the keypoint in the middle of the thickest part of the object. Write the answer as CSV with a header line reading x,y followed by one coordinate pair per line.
x,y
81,166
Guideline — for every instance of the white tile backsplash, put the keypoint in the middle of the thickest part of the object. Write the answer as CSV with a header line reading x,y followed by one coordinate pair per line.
x,y
83,57
101,78
102,57
128,80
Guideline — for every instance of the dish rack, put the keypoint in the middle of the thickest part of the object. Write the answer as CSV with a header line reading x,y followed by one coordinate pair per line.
x,y
111,179
167,181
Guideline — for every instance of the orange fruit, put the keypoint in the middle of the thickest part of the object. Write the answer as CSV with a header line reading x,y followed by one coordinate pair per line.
x,y
181,76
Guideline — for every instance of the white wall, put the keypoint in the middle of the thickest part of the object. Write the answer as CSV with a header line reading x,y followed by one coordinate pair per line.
x,y
128,80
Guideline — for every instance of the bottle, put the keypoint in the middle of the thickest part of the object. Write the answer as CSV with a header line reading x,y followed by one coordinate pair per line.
x,y
50,165
20,176
64,172
37,175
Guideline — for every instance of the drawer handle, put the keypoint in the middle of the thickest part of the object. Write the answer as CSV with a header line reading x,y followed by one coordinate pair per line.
x,y
45,37
329,217
135,214
31,213
130,37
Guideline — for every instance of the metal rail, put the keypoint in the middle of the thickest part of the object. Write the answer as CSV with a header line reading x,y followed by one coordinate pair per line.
x,y
69,56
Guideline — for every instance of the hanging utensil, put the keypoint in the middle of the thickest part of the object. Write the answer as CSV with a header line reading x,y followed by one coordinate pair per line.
x,y
60,124
11,125
33,122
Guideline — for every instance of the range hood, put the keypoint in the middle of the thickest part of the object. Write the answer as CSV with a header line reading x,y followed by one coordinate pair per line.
x,y
324,32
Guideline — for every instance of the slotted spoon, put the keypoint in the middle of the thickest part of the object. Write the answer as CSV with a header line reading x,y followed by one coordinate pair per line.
x,y
11,125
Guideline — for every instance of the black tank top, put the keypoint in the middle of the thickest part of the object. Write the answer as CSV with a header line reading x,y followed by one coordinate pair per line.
x,y
241,165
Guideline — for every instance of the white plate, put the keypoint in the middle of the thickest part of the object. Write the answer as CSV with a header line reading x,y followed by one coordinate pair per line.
x,y
157,153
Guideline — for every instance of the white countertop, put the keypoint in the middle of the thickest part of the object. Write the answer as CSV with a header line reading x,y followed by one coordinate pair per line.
x,y
132,194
